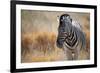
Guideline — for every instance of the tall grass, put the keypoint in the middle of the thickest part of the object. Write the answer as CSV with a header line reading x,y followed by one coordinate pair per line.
x,y
41,46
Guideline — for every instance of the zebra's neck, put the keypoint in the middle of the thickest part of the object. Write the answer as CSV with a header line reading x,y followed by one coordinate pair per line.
x,y
71,39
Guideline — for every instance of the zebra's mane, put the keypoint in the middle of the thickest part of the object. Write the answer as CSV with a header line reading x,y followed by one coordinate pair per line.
x,y
81,36
76,24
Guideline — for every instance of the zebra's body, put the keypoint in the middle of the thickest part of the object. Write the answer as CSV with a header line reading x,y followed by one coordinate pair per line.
x,y
70,37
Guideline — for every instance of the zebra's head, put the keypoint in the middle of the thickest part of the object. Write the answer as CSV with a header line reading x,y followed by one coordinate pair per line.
x,y
65,27
65,23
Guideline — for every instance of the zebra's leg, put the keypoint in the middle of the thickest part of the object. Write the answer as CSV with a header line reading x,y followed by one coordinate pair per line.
x,y
68,54
77,52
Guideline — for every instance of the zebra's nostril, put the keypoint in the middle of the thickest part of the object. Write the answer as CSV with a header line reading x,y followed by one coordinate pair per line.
x,y
59,42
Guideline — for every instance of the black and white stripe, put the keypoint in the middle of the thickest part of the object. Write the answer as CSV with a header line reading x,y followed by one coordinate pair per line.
x,y
70,36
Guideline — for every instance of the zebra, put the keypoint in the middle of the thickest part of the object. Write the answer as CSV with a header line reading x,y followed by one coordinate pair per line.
x,y
70,37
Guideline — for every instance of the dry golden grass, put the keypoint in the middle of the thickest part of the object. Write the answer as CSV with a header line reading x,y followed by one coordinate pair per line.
x,y
39,40
87,39
40,47
87,33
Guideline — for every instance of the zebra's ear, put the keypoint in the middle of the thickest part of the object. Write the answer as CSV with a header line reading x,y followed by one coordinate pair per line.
x,y
58,18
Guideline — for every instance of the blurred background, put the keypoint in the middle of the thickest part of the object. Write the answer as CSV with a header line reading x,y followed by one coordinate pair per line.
x,y
39,31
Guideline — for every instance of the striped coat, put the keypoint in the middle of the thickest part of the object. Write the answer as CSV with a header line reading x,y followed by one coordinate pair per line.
x,y
70,37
